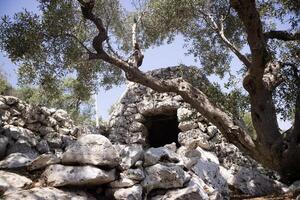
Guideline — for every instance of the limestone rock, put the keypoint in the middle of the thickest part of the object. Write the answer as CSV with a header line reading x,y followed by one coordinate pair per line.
x,y
184,114
129,155
92,149
294,187
15,160
171,146
189,193
137,127
164,177
10,100
20,133
3,146
250,181
160,154
60,175
48,193
123,182
189,156
193,138
207,168
53,139
60,115
3,105
134,174
24,147
11,181
132,193
187,125
43,146
43,161
207,192
212,130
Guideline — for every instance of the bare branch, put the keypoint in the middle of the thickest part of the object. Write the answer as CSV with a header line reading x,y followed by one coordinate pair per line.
x,y
137,57
79,41
219,29
282,35
87,12
111,49
224,17
226,123
249,15
229,127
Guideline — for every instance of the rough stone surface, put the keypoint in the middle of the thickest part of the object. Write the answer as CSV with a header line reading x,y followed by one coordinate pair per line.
x,y
187,125
161,154
129,155
193,138
24,147
164,177
92,149
59,175
11,181
196,163
43,161
189,193
207,168
250,181
3,146
15,160
133,174
189,157
123,182
48,193
132,193
294,187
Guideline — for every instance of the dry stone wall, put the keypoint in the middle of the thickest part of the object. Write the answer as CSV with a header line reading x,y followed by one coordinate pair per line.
x,y
28,131
125,164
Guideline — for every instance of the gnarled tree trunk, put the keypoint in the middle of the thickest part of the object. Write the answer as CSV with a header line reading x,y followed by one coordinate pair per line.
x,y
270,147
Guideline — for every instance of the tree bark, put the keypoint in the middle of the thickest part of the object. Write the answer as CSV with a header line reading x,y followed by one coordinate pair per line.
x,y
262,107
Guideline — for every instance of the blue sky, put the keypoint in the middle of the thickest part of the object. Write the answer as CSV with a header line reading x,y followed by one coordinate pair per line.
x,y
163,56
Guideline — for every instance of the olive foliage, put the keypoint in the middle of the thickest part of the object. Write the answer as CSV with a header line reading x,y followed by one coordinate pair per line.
x,y
55,42
195,19
48,46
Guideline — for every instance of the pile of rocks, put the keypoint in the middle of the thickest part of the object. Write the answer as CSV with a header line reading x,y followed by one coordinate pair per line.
x,y
129,172
27,131
76,164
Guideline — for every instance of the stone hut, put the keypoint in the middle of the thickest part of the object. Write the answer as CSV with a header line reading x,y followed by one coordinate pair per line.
x,y
158,147
154,119
143,116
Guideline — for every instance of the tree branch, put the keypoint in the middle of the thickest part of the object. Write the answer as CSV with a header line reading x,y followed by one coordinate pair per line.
x,y
226,123
220,31
249,15
282,35
87,12
263,110
111,49
80,42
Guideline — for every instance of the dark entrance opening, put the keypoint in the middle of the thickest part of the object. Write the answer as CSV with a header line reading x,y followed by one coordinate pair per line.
x,y
162,129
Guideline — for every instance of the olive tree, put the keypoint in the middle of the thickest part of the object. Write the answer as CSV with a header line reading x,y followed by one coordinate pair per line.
x,y
96,38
